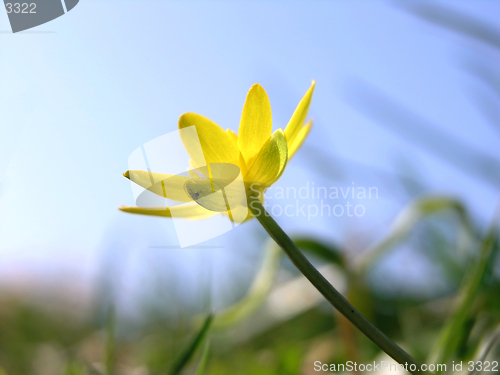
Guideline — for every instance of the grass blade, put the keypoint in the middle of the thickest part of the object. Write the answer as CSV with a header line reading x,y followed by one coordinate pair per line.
x,y
452,331
110,342
204,359
491,344
191,349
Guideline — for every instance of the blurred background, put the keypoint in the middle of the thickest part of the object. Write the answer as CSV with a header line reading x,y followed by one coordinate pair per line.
x,y
407,102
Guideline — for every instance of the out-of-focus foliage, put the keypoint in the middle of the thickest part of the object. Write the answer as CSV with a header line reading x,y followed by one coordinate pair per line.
x,y
38,340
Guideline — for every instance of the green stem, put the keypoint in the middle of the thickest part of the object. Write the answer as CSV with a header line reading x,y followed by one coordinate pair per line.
x,y
329,292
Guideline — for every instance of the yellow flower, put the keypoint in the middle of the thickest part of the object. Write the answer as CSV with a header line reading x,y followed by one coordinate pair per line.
x,y
260,155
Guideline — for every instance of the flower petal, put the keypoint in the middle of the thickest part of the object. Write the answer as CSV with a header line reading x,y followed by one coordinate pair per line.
x,y
233,136
193,174
164,185
217,145
199,170
256,123
241,161
225,196
299,116
192,211
270,163
297,142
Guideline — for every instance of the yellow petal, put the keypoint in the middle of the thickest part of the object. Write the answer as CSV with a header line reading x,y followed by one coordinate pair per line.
x,y
299,116
225,192
256,123
199,170
193,174
217,145
193,211
233,136
225,196
249,215
164,185
270,163
241,161
297,142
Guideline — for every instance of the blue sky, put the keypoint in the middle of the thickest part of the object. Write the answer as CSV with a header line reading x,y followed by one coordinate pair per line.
x,y
80,93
